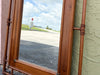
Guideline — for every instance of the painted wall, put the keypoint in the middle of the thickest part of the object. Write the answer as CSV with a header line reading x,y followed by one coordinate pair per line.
x,y
4,15
91,60
0,31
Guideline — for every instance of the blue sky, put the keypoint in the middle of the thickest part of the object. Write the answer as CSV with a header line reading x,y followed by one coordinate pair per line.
x,y
44,12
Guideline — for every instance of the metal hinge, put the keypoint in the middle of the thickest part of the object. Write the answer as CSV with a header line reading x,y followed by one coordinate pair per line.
x,y
14,60
58,74
9,21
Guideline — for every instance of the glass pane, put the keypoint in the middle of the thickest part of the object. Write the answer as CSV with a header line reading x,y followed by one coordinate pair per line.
x,y
40,32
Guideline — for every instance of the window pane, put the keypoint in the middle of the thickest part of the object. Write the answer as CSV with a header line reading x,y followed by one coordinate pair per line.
x,y
40,32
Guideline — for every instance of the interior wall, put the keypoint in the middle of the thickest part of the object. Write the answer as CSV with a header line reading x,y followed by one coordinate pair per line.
x,y
91,59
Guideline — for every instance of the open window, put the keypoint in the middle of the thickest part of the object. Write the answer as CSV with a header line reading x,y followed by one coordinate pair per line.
x,y
41,37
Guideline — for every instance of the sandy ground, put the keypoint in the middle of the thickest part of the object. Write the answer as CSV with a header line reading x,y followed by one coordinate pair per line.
x,y
49,38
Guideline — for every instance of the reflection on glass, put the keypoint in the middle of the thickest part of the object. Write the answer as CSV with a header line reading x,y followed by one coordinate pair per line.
x,y
40,32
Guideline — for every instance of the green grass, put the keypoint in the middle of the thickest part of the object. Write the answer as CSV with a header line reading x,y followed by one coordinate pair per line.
x,y
56,31
38,29
26,27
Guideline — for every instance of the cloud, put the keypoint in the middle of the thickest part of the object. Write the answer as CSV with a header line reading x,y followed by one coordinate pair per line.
x,y
48,1
44,12
45,18
29,9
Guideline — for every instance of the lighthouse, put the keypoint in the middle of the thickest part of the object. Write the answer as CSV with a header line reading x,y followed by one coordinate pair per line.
x,y
31,23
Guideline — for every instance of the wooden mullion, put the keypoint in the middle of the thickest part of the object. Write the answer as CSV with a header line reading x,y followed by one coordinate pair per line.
x,y
66,54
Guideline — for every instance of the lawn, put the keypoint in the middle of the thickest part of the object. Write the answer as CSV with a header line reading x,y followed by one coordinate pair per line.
x,y
26,27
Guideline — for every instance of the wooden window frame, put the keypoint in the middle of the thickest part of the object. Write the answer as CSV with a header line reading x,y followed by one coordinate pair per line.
x,y
65,47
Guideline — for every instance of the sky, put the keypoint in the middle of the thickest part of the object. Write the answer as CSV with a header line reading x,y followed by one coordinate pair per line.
x,y
45,13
